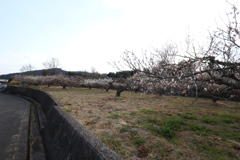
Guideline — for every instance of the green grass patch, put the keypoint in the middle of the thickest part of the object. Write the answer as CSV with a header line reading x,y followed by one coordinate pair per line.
x,y
213,150
132,113
109,122
114,116
230,118
227,120
235,127
147,111
199,129
162,131
173,123
95,120
149,120
233,136
124,129
133,133
114,143
209,120
67,110
229,134
152,120
187,116
168,127
139,141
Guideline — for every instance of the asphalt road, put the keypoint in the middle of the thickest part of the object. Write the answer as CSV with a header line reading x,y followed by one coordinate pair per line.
x,y
14,125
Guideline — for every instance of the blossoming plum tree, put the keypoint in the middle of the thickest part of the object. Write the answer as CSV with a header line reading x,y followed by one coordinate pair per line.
x,y
213,69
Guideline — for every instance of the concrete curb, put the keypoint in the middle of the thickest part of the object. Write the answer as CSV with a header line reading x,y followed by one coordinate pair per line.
x,y
63,137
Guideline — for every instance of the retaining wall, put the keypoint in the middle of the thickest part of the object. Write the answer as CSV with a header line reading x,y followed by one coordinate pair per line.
x,y
63,137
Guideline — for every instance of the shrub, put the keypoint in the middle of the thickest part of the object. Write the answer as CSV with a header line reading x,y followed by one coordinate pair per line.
x,y
15,83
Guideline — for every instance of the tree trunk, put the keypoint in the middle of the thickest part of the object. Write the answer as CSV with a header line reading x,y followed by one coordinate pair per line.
x,y
137,90
64,86
118,88
214,99
118,93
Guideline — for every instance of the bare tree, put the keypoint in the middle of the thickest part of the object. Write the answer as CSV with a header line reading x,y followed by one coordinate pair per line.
x,y
52,66
93,70
26,68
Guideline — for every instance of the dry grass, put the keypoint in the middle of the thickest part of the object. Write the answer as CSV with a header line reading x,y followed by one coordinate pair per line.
x,y
201,129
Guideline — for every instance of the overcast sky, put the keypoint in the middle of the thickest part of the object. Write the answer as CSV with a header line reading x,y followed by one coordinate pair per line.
x,y
90,33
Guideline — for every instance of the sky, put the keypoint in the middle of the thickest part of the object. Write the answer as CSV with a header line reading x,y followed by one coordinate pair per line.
x,y
85,34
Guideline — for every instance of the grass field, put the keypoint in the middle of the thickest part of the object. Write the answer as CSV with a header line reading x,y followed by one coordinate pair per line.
x,y
156,127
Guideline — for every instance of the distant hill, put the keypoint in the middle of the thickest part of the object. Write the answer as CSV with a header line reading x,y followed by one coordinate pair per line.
x,y
55,70
8,76
35,73
123,74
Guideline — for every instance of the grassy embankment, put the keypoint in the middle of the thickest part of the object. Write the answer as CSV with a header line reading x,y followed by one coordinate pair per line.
x,y
168,127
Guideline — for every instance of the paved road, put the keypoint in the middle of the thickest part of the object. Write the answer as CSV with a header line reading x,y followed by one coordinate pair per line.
x,y
14,120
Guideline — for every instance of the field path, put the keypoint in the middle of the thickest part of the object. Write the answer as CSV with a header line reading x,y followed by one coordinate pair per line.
x,y
14,120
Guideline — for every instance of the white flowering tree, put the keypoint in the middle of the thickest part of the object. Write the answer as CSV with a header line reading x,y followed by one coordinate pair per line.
x,y
98,83
212,69
57,80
